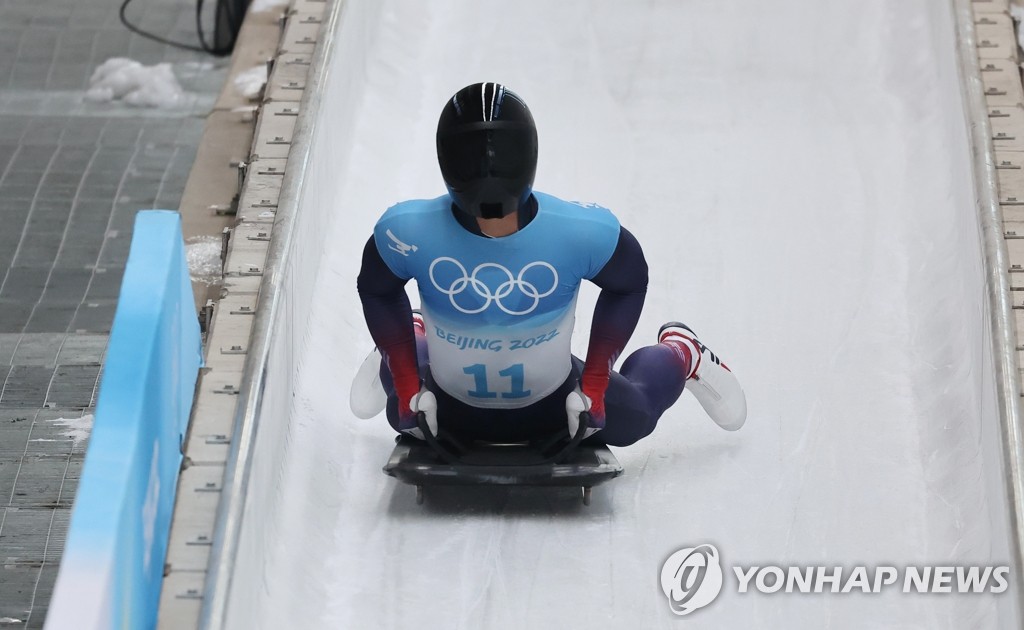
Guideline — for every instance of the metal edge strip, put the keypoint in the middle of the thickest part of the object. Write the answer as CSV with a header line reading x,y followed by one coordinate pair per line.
x,y
1004,335
226,534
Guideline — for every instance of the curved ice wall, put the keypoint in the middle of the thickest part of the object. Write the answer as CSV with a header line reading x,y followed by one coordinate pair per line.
x,y
328,126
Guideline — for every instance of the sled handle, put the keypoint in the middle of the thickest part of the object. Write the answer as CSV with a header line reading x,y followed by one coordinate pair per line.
x,y
433,442
450,457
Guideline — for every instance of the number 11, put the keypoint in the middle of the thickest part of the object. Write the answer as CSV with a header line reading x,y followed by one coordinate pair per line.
x,y
515,373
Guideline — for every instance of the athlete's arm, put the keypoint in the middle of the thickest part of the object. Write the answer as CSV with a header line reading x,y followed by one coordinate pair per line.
x,y
623,283
388,315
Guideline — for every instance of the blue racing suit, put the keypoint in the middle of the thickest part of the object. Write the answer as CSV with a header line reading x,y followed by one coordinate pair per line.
x,y
499,315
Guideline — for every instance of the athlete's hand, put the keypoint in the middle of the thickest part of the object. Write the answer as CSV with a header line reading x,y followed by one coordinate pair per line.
x,y
423,401
575,404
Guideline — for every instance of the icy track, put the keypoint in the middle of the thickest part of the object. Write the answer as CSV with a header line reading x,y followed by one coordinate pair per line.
x,y
798,174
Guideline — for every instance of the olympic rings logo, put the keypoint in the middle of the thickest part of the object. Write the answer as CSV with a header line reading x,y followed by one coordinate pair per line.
x,y
511,282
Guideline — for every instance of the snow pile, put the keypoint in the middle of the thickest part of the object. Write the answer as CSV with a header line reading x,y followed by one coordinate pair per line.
x,y
204,264
266,5
250,82
119,78
78,429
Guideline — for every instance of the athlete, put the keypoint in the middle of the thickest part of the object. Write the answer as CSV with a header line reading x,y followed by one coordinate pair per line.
x,y
498,266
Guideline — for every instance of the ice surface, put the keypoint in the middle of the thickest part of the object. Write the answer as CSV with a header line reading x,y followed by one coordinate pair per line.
x,y
798,174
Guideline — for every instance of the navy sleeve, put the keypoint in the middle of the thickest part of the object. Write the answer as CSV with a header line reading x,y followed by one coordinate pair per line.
x,y
388,316
623,283
375,277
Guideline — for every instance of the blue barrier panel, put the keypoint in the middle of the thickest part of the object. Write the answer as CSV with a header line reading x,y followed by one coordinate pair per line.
x,y
112,568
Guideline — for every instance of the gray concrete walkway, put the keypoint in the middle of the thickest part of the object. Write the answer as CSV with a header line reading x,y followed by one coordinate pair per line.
x,y
72,177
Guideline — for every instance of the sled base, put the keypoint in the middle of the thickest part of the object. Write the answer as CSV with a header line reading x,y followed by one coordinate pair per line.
x,y
414,462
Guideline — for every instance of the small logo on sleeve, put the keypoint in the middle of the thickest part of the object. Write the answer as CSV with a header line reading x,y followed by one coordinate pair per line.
x,y
399,246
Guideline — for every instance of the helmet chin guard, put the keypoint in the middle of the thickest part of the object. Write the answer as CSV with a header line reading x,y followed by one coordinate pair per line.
x,y
487,150
490,198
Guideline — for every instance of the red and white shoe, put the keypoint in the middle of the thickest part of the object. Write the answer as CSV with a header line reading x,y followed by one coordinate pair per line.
x,y
366,396
710,381
418,325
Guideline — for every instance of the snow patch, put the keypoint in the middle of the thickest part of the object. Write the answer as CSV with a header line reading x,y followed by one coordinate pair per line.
x,y
249,82
78,429
197,66
266,5
203,255
127,80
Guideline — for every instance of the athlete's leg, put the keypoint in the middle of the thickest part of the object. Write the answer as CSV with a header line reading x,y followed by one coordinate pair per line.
x,y
650,381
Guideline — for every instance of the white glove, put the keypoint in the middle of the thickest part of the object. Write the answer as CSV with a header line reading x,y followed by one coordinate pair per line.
x,y
576,403
424,401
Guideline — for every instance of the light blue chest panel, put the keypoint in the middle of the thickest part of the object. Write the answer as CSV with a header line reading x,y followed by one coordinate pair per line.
x,y
499,312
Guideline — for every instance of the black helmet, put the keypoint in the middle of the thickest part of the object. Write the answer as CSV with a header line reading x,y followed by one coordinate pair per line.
x,y
487,149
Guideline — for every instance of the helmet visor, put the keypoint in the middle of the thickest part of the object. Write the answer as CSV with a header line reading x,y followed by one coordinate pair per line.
x,y
472,154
